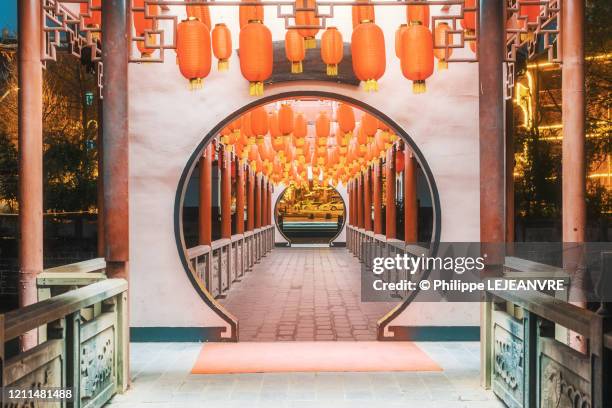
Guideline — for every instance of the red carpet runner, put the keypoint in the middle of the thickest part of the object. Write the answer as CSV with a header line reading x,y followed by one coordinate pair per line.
x,y
250,357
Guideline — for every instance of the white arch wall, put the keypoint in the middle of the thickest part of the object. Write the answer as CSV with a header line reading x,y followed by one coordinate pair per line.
x,y
167,122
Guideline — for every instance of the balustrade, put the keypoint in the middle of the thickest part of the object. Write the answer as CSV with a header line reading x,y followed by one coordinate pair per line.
x,y
84,347
226,261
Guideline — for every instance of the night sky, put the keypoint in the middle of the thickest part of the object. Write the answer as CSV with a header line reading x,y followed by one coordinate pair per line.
x,y
8,15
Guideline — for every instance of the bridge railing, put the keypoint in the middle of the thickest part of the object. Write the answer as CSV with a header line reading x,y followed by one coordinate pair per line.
x,y
85,347
526,364
225,261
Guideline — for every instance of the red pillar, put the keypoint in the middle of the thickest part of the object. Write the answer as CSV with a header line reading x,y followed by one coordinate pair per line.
x,y
491,128
377,196
411,207
100,186
264,201
360,217
30,157
205,208
349,193
390,190
240,197
226,195
250,200
270,204
115,136
573,154
258,182
367,200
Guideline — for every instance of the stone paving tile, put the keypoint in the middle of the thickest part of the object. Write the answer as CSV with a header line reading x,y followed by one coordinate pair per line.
x,y
161,378
304,294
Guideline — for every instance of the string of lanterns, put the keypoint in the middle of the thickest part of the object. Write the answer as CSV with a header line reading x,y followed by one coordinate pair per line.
x,y
414,45
278,145
414,41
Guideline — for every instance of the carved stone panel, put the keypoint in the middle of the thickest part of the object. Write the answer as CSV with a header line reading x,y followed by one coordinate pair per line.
x,y
215,281
560,385
97,365
508,360
224,268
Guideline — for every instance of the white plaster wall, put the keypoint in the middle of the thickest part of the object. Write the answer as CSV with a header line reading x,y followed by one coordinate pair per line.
x,y
167,122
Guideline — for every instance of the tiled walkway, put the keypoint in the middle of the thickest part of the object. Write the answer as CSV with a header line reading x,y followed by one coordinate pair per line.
x,y
161,379
304,294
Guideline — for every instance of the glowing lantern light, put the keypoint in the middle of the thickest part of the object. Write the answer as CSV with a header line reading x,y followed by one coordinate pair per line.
x,y
246,129
142,24
332,50
346,120
222,46
247,14
398,39
200,13
193,51
322,127
256,55
285,119
294,50
363,13
368,49
531,11
259,123
443,38
95,17
418,14
417,56
468,23
369,126
307,18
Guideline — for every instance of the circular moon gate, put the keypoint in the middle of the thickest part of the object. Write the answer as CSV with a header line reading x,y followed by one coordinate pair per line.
x,y
193,160
299,230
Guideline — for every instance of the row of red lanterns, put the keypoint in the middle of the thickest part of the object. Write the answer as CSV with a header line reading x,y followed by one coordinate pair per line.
x,y
277,143
414,42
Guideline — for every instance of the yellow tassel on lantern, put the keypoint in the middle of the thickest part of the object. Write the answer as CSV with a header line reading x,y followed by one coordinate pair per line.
x,y
223,65
256,88
332,70
310,42
296,67
442,65
419,87
196,83
371,85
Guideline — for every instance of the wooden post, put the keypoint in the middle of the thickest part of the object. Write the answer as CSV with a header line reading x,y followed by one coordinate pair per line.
x,y
352,202
30,157
270,204
367,200
377,195
411,207
226,194
349,214
390,191
250,199
205,207
239,197
360,217
258,182
492,157
573,154
264,201
100,185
